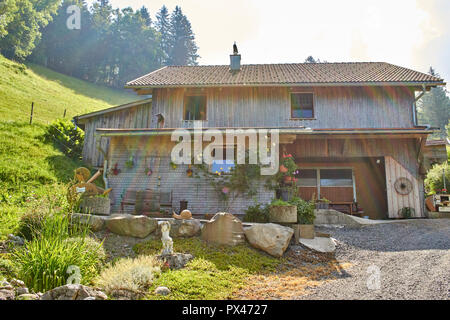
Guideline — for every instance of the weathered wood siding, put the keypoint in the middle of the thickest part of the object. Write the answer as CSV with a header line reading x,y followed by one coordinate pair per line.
x,y
134,117
396,201
154,152
334,107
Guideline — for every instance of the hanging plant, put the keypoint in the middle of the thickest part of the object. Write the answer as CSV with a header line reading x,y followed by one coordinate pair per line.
x,y
189,171
173,165
115,170
148,171
130,162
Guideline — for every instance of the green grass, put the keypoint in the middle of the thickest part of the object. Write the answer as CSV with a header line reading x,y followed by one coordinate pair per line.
x,y
215,273
51,93
33,174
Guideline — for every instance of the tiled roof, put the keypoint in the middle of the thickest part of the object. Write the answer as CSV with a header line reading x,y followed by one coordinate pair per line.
x,y
284,74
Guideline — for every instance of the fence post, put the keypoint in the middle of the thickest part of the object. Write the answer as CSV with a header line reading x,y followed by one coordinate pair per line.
x,y
64,113
31,114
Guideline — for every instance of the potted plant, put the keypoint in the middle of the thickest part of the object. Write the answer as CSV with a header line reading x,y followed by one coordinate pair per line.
x,y
305,217
284,182
282,212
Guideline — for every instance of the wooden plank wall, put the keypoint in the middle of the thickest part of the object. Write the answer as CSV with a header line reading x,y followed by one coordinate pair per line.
x,y
134,117
335,107
155,152
396,201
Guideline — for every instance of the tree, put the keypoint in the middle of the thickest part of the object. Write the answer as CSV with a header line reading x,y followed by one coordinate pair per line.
x,y
162,27
23,30
7,10
183,49
434,108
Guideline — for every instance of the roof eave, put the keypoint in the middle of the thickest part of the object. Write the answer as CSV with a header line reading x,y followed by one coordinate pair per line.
x,y
315,84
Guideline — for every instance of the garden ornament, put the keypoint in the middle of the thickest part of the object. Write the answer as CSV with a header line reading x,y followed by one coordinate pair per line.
x,y
166,239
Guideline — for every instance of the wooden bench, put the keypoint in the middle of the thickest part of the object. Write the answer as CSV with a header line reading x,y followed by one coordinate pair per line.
x,y
352,207
144,201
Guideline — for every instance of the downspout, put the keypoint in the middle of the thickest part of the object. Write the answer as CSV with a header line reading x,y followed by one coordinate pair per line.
x,y
105,161
414,105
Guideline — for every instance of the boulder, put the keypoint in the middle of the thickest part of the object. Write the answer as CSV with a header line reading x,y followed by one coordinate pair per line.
x,y
17,283
183,228
163,291
73,292
95,223
271,238
175,261
132,226
320,244
223,228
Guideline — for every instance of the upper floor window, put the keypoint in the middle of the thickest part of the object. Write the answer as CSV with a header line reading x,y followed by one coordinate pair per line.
x,y
195,107
302,105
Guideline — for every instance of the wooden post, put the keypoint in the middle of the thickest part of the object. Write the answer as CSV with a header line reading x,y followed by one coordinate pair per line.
x,y
64,113
31,114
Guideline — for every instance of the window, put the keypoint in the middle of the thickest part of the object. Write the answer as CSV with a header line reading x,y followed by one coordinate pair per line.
x,y
195,107
307,178
336,178
302,105
222,166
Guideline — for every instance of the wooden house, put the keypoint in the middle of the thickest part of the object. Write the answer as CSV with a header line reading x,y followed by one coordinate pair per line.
x,y
351,127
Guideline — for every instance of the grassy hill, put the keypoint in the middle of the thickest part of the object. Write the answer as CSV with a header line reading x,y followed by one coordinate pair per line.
x,y
51,93
33,173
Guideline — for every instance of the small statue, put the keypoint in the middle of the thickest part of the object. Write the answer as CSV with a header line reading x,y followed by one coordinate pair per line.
x,y
166,239
85,184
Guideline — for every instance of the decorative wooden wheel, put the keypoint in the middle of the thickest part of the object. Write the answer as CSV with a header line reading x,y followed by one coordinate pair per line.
x,y
403,186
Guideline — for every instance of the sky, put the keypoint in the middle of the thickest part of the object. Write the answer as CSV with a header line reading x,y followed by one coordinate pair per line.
x,y
410,33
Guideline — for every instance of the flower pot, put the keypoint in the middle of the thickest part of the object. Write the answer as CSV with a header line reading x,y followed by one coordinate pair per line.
x,y
96,205
306,231
283,214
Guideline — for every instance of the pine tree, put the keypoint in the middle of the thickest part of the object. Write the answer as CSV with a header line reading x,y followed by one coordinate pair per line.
x,y
183,49
162,26
434,108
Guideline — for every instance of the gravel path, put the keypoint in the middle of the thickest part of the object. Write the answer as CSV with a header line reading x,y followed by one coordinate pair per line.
x,y
413,258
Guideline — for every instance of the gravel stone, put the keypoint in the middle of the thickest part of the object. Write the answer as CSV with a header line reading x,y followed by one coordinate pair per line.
x,y
413,258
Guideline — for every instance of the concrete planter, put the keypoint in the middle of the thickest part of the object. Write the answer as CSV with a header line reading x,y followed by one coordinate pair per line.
x,y
306,231
96,205
283,214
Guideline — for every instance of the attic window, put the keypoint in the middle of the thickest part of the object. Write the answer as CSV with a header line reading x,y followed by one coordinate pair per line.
x,y
195,107
302,105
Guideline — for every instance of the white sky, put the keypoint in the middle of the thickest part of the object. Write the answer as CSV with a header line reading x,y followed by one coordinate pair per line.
x,y
409,33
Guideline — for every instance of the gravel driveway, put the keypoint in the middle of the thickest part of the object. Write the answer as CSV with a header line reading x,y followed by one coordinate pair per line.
x,y
413,258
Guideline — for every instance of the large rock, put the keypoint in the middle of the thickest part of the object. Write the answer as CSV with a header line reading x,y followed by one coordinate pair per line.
x,y
319,244
183,228
175,261
73,292
271,238
223,228
132,226
95,223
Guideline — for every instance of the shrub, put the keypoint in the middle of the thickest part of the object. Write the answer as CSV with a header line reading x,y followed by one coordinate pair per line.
x,y
30,225
279,202
67,137
44,261
129,277
257,213
8,269
434,182
305,210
